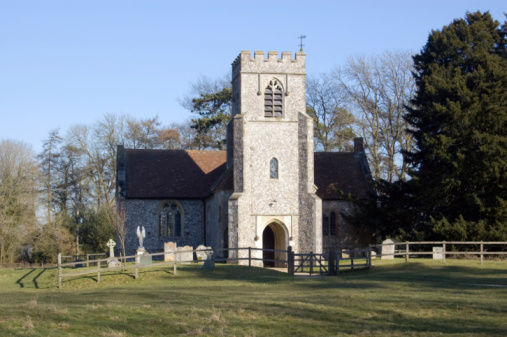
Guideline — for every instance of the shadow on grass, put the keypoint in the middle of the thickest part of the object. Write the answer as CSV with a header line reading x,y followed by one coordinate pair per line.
x,y
20,280
28,278
442,275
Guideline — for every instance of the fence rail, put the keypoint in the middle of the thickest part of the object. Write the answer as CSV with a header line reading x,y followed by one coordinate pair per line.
x,y
329,263
480,249
135,258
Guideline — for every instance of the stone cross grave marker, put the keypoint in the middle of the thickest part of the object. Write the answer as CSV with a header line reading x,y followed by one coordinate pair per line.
x,y
111,244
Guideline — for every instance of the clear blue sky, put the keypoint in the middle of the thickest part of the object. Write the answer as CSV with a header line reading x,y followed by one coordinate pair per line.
x,y
66,62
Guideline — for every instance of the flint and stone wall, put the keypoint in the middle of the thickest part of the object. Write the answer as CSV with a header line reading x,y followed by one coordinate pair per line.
x,y
140,212
216,219
345,237
258,200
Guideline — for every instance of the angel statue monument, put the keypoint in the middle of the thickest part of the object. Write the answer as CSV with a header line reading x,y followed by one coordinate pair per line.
x,y
140,235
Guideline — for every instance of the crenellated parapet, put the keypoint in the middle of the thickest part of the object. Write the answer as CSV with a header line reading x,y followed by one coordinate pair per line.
x,y
259,63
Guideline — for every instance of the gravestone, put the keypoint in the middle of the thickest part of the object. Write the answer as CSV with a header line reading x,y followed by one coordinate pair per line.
x,y
145,259
185,255
438,253
388,249
202,252
112,262
111,244
141,234
169,247
209,262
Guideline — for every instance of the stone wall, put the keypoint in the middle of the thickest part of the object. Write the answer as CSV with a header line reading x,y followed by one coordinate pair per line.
x,y
141,212
346,236
258,199
216,219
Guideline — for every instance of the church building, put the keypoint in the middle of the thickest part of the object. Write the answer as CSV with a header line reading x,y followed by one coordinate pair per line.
x,y
268,190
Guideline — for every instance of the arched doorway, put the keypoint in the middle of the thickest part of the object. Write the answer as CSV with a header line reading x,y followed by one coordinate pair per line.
x,y
268,242
274,237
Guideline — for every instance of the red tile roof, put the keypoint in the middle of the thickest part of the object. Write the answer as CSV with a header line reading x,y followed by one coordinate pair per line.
x,y
192,174
172,173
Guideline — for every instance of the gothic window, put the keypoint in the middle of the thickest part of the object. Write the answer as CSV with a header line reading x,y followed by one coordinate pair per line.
x,y
332,224
170,222
325,224
329,224
273,99
273,169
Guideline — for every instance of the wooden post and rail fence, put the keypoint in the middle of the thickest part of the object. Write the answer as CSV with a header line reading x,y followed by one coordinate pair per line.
x,y
331,263
413,249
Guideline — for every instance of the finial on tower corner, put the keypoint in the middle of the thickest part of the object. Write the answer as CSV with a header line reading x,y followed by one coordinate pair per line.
x,y
301,45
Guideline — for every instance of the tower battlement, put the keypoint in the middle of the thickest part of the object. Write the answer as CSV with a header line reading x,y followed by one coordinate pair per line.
x,y
270,64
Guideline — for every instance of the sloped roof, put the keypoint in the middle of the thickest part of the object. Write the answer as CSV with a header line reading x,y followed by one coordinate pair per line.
x,y
192,174
172,173
339,171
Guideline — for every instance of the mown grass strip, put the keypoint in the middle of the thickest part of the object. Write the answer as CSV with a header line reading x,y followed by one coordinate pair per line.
x,y
423,298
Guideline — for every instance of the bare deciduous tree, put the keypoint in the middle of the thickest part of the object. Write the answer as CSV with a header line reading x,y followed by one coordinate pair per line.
x,y
326,103
380,87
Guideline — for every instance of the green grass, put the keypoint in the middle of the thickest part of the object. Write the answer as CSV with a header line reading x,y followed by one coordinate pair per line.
x,y
419,298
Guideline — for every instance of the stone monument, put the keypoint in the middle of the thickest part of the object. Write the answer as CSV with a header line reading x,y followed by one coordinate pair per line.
x,y
142,256
185,255
438,253
202,252
388,249
209,263
112,262
169,248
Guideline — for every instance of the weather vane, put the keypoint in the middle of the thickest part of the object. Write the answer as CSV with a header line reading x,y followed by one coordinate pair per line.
x,y
301,37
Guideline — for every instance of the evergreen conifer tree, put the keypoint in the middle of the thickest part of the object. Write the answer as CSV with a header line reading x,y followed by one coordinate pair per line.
x,y
459,124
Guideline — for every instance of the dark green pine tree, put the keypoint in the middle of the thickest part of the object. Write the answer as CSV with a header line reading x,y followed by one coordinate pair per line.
x,y
459,124
214,110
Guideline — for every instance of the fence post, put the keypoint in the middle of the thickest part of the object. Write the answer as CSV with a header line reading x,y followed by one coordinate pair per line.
x,y
290,261
444,249
311,263
98,271
330,262
369,256
87,258
249,257
338,261
482,252
351,259
59,270
407,247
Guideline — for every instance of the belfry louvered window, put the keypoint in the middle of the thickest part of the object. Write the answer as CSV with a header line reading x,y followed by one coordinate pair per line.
x,y
273,100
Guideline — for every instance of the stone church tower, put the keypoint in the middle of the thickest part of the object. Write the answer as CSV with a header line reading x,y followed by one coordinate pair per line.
x,y
270,151
269,190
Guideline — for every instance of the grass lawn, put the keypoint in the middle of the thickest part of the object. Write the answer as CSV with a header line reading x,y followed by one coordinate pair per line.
x,y
393,298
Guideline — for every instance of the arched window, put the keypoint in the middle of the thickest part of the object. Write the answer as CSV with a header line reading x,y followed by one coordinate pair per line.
x,y
332,224
273,99
325,224
273,168
170,220
329,224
